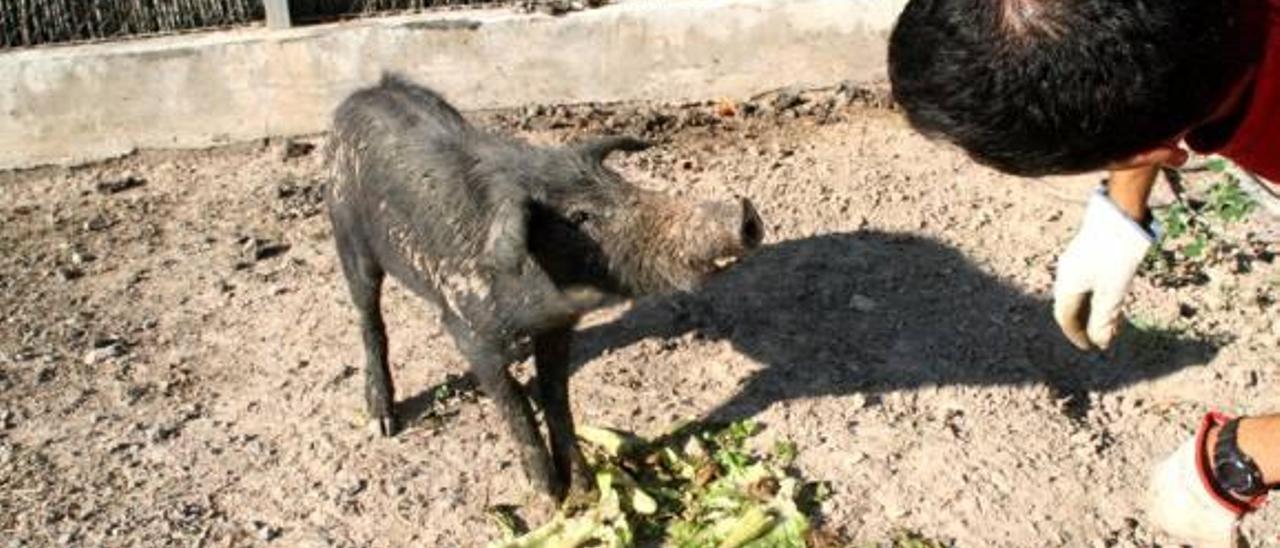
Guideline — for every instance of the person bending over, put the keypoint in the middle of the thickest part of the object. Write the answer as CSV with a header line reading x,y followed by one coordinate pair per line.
x,y
1038,87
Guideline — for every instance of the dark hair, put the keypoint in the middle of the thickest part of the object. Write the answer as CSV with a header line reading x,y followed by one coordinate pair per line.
x,y
1034,87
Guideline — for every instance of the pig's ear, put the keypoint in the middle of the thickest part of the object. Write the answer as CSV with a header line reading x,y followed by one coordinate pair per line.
x,y
600,149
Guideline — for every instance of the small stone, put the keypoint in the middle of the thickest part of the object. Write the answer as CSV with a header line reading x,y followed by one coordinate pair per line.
x,y
67,538
97,223
69,273
290,149
1245,378
135,393
298,198
256,249
345,373
103,353
787,99
118,184
161,433
348,486
264,531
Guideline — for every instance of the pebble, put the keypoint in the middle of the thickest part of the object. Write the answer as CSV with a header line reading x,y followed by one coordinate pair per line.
x,y
116,185
1244,377
787,99
97,223
67,538
348,486
258,249
161,433
103,353
264,531
69,273
290,149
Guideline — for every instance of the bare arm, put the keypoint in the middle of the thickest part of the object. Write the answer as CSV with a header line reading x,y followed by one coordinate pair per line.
x,y
1129,189
1259,437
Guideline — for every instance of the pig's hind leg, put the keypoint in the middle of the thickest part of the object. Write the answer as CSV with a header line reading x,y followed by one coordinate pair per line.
x,y
364,279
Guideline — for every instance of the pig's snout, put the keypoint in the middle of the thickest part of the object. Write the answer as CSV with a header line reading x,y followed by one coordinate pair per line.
x,y
675,245
740,231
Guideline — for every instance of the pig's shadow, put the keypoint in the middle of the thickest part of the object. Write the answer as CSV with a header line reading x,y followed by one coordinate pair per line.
x,y
875,311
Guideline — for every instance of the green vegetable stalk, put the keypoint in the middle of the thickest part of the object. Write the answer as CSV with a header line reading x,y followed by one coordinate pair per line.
x,y
753,524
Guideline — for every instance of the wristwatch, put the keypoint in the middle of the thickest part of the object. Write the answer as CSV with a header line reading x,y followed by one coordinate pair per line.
x,y
1233,469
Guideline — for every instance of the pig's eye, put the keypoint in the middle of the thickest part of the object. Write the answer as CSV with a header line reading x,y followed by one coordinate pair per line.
x,y
579,217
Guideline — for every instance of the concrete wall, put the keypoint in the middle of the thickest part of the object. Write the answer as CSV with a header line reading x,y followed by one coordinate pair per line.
x,y
73,104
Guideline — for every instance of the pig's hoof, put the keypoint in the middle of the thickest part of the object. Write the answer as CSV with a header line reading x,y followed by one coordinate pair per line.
x,y
384,426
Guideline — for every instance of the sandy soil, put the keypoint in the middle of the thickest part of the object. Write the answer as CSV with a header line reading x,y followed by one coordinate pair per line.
x,y
179,364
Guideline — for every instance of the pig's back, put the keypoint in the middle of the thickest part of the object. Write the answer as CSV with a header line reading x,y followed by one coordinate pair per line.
x,y
400,107
399,146
401,164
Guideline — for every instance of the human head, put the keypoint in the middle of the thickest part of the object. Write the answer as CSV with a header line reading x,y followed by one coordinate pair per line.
x,y
1034,87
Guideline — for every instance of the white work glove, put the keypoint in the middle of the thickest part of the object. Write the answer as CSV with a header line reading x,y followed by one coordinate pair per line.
x,y
1095,271
1184,505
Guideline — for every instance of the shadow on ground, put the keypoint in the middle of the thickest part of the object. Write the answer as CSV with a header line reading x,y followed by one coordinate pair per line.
x,y
874,311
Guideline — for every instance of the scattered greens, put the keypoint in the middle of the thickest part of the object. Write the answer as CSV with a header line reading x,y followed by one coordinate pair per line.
x,y
697,487
1194,228
909,539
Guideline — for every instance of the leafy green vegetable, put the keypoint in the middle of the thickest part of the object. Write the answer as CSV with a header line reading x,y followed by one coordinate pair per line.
x,y
909,539
785,452
697,487
1229,203
1194,233
1175,221
1195,249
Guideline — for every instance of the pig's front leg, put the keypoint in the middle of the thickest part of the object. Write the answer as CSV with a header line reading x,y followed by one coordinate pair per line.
x,y
551,357
489,363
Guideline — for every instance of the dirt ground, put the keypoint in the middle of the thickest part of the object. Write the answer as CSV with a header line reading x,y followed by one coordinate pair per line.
x,y
180,366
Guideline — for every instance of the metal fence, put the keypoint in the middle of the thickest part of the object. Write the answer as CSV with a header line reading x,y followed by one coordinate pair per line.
x,y
34,22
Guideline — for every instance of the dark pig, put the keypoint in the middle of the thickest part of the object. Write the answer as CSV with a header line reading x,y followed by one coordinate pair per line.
x,y
512,242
